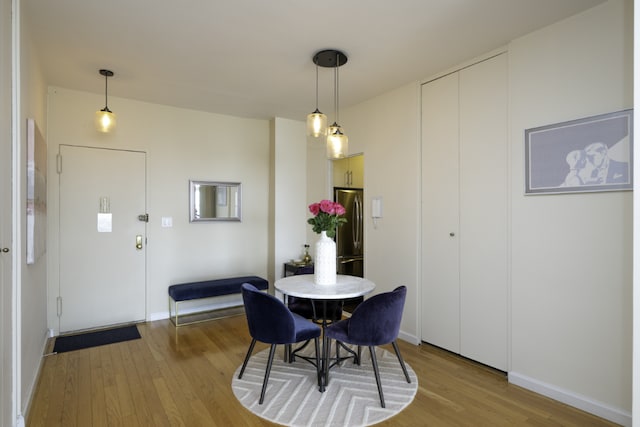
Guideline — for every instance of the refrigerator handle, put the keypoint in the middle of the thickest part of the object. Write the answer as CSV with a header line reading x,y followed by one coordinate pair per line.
x,y
360,222
357,239
354,223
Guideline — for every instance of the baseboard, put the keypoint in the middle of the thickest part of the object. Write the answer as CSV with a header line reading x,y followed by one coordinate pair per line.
x,y
409,338
26,402
584,403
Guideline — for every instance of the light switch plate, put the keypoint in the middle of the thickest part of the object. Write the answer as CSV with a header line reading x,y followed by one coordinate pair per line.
x,y
167,221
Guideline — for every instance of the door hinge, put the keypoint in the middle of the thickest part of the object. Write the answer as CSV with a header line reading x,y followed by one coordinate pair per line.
x,y
58,163
59,306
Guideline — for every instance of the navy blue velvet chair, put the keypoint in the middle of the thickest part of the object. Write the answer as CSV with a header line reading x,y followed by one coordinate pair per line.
x,y
376,321
271,322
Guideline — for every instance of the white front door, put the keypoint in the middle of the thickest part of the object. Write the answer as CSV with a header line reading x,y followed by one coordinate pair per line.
x,y
8,328
102,240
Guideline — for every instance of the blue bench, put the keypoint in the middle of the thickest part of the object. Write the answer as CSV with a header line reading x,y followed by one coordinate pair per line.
x,y
209,289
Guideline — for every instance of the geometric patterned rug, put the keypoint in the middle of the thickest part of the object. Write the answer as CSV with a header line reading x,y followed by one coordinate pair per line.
x,y
351,398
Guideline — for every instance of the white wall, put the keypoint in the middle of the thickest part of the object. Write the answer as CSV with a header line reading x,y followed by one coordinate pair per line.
x,y
180,145
32,290
386,130
288,193
572,254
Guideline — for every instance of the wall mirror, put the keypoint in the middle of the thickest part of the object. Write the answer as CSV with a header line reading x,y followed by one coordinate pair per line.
x,y
214,201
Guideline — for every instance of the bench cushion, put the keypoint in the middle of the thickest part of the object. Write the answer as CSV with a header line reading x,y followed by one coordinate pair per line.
x,y
214,288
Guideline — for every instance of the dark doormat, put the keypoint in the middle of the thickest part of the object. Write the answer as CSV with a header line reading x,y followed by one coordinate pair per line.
x,y
94,339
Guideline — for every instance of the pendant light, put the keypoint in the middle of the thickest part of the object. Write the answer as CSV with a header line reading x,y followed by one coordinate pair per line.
x,y
105,120
316,121
337,141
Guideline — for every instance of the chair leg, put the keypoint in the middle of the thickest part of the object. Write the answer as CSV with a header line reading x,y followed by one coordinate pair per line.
x,y
404,368
272,351
325,363
374,362
318,365
359,355
246,358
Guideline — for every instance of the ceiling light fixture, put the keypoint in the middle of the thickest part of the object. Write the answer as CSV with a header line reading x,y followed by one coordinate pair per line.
x,y
105,120
337,141
316,121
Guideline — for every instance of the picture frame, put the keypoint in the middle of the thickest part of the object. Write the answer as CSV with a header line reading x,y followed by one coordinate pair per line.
x,y
36,192
215,201
591,154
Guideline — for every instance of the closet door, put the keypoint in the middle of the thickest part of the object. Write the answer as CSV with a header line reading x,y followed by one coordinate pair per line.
x,y
440,212
464,212
483,212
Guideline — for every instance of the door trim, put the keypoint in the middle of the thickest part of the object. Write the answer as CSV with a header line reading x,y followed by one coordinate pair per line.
x,y
56,285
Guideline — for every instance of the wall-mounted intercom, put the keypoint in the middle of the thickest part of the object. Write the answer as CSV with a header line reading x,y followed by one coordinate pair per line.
x,y
376,210
376,207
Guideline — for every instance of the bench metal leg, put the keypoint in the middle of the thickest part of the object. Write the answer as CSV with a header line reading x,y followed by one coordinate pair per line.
x,y
174,320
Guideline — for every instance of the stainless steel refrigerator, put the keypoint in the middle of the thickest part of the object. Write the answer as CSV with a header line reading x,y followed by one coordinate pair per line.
x,y
349,236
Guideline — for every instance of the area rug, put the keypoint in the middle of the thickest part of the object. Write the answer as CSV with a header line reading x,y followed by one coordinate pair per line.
x,y
350,399
94,339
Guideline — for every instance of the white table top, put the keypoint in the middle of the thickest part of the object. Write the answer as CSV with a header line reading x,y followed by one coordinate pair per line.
x,y
303,286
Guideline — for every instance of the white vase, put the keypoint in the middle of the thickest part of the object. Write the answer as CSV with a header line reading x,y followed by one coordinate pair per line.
x,y
324,268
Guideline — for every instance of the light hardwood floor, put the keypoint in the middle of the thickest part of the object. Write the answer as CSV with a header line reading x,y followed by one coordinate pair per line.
x,y
183,378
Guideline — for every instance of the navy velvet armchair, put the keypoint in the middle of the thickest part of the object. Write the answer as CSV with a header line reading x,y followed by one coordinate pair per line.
x,y
271,322
375,322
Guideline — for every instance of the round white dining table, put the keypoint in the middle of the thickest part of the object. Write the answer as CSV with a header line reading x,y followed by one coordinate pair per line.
x,y
303,286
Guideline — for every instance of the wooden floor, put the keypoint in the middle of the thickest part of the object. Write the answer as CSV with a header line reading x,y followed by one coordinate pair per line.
x,y
183,378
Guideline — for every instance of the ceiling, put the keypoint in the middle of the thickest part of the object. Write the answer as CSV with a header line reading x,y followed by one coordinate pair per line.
x,y
252,58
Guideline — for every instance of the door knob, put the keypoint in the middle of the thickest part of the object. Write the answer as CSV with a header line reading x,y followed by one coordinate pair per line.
x,y
138,241
5,250
452,234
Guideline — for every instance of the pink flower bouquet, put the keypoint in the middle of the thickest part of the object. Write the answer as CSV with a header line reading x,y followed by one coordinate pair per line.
x,y
327,217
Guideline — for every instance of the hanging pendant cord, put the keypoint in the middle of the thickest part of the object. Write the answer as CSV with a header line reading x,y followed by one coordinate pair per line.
x,y
335,88
316,87
106,78
338,88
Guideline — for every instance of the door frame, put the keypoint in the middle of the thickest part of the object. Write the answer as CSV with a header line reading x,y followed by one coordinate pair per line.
x,y
54,286
10,224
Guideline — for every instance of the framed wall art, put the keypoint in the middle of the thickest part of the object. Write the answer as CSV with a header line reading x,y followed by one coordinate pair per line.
x,y
36,192
584,155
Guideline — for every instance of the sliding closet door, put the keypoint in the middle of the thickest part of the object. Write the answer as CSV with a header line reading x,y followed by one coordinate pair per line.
x,y
483,212
464,212
440,214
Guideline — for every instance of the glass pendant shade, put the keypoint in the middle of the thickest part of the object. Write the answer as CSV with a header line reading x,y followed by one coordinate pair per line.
x,y
316,126
337,143
105,120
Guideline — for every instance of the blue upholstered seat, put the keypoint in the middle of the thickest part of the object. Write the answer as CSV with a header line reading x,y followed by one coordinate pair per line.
x,y
376,321
182,292
214,288
271,322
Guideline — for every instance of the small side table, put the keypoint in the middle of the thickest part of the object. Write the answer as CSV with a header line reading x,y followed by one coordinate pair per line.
x,y
294,269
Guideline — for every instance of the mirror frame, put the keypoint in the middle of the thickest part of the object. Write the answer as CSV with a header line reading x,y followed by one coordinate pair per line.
x,y
192,199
